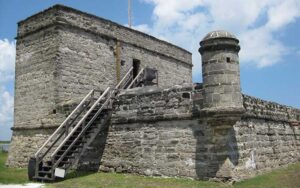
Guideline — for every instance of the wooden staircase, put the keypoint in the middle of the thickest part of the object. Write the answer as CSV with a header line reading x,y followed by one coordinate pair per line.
x,y
79,129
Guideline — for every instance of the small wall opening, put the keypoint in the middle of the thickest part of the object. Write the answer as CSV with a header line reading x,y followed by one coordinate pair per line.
x,y
122,62
136,67
228,59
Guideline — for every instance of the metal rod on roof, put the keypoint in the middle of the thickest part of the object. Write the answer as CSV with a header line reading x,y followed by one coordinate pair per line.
x,y
129,13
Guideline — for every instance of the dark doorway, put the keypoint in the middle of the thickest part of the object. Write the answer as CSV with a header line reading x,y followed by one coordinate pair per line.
x,y
136,67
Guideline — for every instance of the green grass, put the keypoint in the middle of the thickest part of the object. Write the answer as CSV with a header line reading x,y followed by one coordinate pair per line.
x,y
11,175
129,180
288,177
4,142
284,177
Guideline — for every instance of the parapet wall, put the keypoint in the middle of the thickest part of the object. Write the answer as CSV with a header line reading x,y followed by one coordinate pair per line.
x,y
156,104
261,109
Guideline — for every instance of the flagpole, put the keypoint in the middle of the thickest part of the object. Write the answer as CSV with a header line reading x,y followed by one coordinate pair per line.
x,y
129,13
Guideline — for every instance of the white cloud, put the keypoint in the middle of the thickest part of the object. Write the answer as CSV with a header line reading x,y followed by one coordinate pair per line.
x,y
166,13
256,23
7,68
259,47
143,28
6,114
6,109
7,60
283,13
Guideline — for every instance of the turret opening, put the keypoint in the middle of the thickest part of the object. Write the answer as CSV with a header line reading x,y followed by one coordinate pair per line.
x,y
228,59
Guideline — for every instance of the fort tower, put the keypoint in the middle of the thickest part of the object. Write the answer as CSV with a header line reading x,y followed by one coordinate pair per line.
x,y
220,72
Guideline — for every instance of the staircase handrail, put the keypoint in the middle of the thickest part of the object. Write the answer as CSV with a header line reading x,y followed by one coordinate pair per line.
x,y
80,122
64,122
135,79
124,78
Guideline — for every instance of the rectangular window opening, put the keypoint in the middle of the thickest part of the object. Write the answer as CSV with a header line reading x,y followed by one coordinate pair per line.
x,y
136,67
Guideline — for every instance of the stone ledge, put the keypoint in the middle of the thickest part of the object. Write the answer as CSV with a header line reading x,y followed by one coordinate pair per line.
x,y
219,112
148,90
20,128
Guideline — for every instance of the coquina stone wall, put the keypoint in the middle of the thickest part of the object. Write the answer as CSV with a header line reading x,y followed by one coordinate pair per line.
x,y
268,136
151,133
34,94
24,144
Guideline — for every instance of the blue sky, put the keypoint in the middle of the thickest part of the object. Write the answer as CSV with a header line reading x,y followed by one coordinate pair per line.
x,y
268,31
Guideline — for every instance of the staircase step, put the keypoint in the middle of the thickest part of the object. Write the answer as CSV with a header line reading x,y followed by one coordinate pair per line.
x,y
75,152
73,136
45,172
39,178
97,119
64,161
71,157
62,151
92,126
89,131
65,157
45,168
63,165
103,111
71,139
75,149
68,142
77,132
76,145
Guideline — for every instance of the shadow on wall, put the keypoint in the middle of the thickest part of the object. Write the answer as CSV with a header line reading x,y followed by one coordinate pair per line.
x,y
92,157
216,150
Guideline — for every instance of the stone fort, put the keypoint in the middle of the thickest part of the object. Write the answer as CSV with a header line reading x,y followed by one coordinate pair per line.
x,y
91,94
